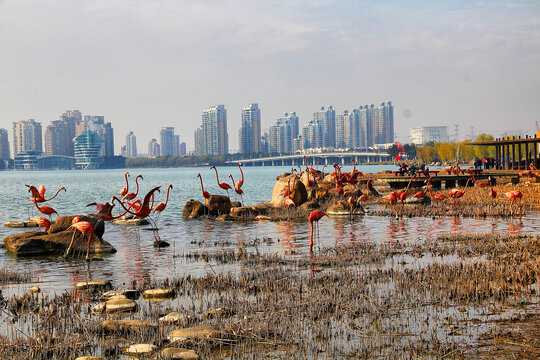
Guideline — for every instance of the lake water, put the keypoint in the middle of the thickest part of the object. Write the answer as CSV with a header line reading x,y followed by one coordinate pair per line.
x,y
137,259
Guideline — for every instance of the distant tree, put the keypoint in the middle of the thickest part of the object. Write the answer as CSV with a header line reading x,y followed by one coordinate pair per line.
x,y
392,151
484,151
410,150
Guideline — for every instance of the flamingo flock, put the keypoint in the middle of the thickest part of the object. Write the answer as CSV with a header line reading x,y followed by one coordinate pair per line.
x,y
142,207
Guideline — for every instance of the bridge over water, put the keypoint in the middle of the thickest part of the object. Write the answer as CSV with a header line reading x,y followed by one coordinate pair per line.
x,y
327,158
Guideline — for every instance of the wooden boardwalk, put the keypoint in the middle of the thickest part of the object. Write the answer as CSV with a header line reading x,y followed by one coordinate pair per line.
x,y
450,180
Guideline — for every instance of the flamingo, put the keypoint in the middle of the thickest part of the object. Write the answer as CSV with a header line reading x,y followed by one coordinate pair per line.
x,y
513,196
237,189
365,197
492,193
86,228
42,222
222,185
161,206
403,195
205,194
131,196
314,217
240,182
455,194
39,195
125,190
146,206
392,199
46,210
438,197
352,202
479,183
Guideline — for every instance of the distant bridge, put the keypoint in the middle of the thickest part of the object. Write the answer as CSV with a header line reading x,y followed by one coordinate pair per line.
x,y
327,158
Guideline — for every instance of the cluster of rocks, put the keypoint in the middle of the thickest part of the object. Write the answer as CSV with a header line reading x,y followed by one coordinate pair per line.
x,y
306,194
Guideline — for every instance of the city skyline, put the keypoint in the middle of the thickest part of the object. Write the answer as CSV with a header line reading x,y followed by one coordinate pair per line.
x,y
159,63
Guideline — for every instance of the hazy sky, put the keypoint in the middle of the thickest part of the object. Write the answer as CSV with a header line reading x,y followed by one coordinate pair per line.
x,y
147,64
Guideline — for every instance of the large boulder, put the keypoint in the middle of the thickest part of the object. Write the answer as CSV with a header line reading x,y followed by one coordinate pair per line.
x,y
308,179
35,243
218,204
342,208
193,209
298,189
315,193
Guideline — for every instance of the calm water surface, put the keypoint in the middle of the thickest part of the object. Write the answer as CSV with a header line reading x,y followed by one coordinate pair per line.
x,y
137,259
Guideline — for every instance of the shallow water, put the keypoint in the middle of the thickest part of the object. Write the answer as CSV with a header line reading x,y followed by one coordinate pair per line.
x,y
137,259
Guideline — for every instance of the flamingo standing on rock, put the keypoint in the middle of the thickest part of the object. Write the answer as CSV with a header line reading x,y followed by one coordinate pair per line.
x,y
240,182
46,210
205,194
314,217
86,228
131,196
237,190
222,185
42,222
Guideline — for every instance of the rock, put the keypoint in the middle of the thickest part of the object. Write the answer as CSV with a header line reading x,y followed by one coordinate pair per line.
x,y
197,332
126,325
116,303
240,212
218,204
20,224
263,217
193,209
327,185
64,223
236,204
385,172
283,175
140,349
306,180
310,205
158,293
161,244
315,193
130,222
130,294
299,193
222,311
88,358
177,353
35,243
174,317
93,284
342,208
225,217
34,290
422,200
259,209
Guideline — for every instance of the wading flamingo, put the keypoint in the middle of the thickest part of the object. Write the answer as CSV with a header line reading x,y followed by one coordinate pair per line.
x,y
438,197
146,207
365,197
392,200
455,194
86,228
237,190
222,185
161,206
403,194
125,190
314,217
514,195
131,196
205,194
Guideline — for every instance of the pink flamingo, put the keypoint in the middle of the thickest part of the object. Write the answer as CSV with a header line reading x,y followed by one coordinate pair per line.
x,y
222,185
131,196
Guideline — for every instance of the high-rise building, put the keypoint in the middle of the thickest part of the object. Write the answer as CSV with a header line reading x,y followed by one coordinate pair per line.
x,y
423,134
27,136
4,144
344,124
327,118
98,125
88,150
250,131
183,149
154,150
168,144
280,136
312,135
215,139
71,119
383,123
131,145
176,145
56,139
199,142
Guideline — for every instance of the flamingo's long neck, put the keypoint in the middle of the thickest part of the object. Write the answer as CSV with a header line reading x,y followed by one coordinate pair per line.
x,y
127,182
167,197
137,184
429,189
62,188
241,172
202,187
217,177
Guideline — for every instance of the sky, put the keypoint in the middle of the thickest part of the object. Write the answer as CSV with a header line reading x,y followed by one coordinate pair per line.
x,y
148,64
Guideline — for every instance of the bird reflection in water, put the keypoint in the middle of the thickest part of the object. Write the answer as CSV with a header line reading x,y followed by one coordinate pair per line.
x,y
286,232
455,225
397,229
515,226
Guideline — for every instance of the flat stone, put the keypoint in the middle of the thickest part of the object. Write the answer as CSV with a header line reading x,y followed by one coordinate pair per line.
x,y
130,222
126,325
204,331
140,349
158,293
88,358
116,303
102,283
128,293
179,353
174,317
20,224
218,312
